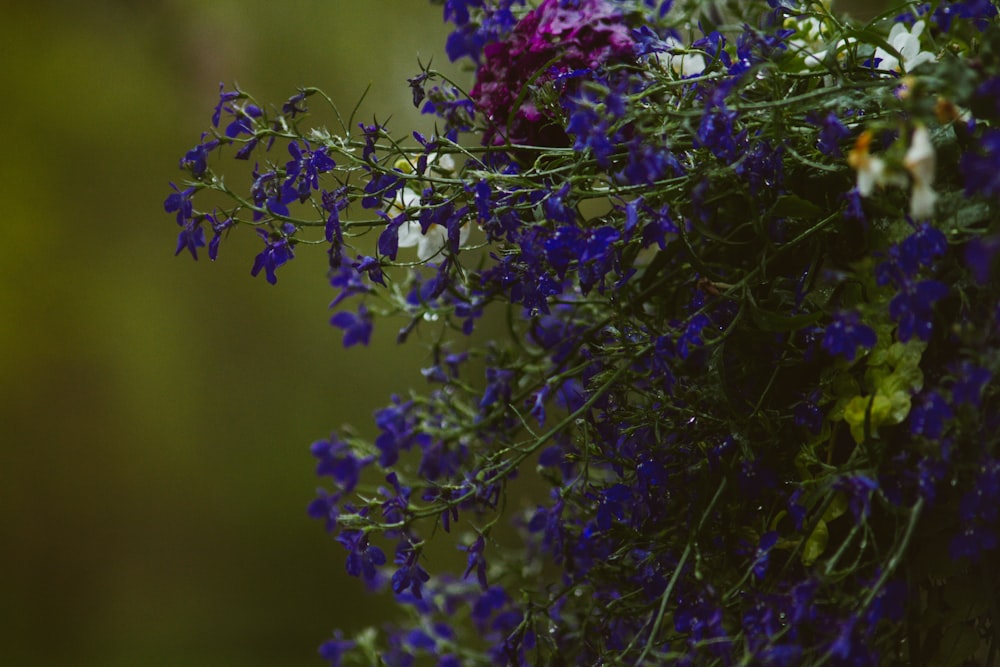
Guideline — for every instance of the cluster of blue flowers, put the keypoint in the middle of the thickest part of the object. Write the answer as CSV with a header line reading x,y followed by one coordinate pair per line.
x,y
745,411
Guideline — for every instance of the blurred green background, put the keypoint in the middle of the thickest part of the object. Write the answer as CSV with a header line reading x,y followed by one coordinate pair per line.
x,y
156,413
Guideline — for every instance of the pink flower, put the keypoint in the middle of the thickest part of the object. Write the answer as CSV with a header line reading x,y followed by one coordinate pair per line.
x,y
558,37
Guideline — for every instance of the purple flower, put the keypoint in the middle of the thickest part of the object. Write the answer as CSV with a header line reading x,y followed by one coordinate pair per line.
x,y
807,414
296,104
980,254
277,250
920,249
357,328
243,120
191,238
497,387
980,11
269,195
180,201
969,382
980,167
912,308
399,424
196,159
691,337
468,39
831,135
717,132
858,490
218,228
585,35
979,511
224,98
303,170
929,416
477,561
337,459
334,649
410,576
846,334
767,542
364,559
612,505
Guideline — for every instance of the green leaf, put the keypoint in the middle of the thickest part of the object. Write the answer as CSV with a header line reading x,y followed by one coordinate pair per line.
x,y
793,206
772,321
967,597
815,545
958,644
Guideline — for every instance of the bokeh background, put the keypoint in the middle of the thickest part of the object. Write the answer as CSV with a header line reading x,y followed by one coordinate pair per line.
x,y
156,413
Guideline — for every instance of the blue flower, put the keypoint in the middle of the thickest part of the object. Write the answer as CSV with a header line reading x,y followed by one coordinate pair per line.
x,y
832,133
180,201
913,310
357,328
277,251
191,238
980,11
303,170
224,98
334,649
980,167
979,510
929,416
969,382
243,120
337,459
399,425
410,576
364,559
858,489
767,542
497,387
477,561
846,334
980,256
196,159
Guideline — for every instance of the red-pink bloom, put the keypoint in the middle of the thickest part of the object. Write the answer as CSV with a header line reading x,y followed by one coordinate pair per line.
x,y
558,37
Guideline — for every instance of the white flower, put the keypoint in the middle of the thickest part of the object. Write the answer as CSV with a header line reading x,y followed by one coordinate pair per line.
x,y
409,234
680,60
907,42
871,170
444,164
920,161
429,244
810,40
405,198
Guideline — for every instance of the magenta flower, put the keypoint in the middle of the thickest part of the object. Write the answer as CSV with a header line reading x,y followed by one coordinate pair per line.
x,y
558,36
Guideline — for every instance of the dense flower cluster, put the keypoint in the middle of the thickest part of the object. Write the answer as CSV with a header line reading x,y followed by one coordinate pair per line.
x,y
746,412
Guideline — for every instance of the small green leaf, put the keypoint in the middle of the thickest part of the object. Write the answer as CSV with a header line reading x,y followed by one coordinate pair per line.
x,y
772,321
958,644
815,545
793,206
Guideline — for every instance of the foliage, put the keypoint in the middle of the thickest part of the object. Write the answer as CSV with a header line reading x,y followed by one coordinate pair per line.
x,y
746,257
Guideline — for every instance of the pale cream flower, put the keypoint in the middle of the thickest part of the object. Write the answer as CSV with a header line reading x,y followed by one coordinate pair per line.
x,y
441,163
872,170
680,60
907,42
920,161
810,40
430,243
410,235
